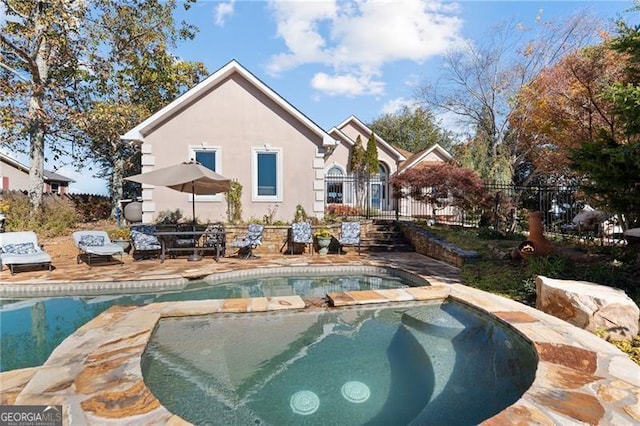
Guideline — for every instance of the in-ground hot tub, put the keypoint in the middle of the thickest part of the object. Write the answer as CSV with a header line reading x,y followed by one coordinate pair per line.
x,y
434,363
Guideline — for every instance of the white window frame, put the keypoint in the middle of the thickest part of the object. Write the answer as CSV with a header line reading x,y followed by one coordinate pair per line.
x,y
192,156
279,174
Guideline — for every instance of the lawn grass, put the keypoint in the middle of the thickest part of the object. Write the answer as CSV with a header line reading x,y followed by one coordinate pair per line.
x,y
495,272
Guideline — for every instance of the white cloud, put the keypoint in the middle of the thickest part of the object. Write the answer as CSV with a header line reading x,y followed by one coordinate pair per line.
x,y
223,11
395,105
346,84
356,38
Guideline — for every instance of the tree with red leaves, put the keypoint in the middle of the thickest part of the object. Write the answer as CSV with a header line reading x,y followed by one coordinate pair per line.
x,y
442,185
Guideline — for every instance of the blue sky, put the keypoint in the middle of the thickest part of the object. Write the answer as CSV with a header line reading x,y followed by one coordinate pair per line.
x,y
332,59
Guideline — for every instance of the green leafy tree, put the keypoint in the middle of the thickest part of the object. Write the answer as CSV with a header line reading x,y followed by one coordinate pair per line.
x,y
134,74
371,156
40,44
357,168
411,129
76,75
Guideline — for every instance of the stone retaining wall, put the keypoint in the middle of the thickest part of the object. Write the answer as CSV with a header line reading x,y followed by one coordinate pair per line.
x,y
274,238
431,245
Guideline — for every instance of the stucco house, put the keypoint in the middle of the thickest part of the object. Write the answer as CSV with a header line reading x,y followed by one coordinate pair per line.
x,y
236,125
14,176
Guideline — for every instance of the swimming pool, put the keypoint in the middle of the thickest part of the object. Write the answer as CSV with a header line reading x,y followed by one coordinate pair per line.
x,y
437,363
31,328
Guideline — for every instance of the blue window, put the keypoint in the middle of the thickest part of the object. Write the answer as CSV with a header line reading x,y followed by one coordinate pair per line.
x,y
267,174
210,158
207,159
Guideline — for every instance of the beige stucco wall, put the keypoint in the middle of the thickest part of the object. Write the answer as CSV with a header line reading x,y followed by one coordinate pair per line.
x,y
235,117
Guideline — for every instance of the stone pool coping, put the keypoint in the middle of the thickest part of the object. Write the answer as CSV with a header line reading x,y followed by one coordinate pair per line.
x,y
96,376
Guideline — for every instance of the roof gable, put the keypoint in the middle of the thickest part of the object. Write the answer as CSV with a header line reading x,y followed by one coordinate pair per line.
x,y
47,175
419,157
138,133
354,121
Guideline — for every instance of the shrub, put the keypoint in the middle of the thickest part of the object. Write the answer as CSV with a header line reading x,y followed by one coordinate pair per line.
x,y
301,214
169,216
57,217
341,210
234,202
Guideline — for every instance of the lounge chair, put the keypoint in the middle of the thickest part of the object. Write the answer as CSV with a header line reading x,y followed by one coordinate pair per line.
x,y
144,242
247,244
93,244
301,234
349,235
22,249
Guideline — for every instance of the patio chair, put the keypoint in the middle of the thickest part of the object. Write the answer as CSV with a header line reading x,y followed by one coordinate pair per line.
x,y
301,234
215,237
349,235
22,249
144,241
95,244
247,244
186,240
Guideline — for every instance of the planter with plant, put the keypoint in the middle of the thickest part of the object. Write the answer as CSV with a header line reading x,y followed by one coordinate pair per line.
x,y
323,237
120,236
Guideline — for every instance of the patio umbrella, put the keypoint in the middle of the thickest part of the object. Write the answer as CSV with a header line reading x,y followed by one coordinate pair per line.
x,y
190,177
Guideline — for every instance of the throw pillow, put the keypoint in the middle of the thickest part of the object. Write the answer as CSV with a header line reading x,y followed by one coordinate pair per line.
x,y
20,248
92,240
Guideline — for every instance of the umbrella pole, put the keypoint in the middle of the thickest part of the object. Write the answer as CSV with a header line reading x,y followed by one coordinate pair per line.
x,y
195,256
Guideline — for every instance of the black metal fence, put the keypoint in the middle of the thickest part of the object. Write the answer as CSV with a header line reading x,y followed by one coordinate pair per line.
x,y
373,198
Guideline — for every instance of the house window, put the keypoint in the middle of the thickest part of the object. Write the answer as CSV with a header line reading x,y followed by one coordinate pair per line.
x,y
207,158
211,159
267,174
55,188
335,182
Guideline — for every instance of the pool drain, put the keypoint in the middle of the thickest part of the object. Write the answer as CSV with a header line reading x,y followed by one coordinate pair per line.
x,y
355,392
305,403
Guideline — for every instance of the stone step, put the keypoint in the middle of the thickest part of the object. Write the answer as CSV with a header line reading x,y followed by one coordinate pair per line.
x,y
385,236
388,248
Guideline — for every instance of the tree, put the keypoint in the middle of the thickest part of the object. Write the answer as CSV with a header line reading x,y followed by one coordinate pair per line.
x,y
411,129
40,44
371,163
610,163
481,80
442,185
564,107
357,156
611,176
79,74
133,77
477,154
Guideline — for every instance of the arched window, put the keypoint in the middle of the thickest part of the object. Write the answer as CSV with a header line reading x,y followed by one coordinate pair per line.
x,y
335,181
382,171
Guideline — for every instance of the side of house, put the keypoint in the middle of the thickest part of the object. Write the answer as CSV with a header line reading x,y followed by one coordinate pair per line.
x,y
236,125
14,176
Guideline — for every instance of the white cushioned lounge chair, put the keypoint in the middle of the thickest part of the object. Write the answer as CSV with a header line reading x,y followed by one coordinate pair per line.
x,y
95,244
21,248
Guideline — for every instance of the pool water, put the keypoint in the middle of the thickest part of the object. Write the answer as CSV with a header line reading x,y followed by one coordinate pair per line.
x,y
30,329
439,363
